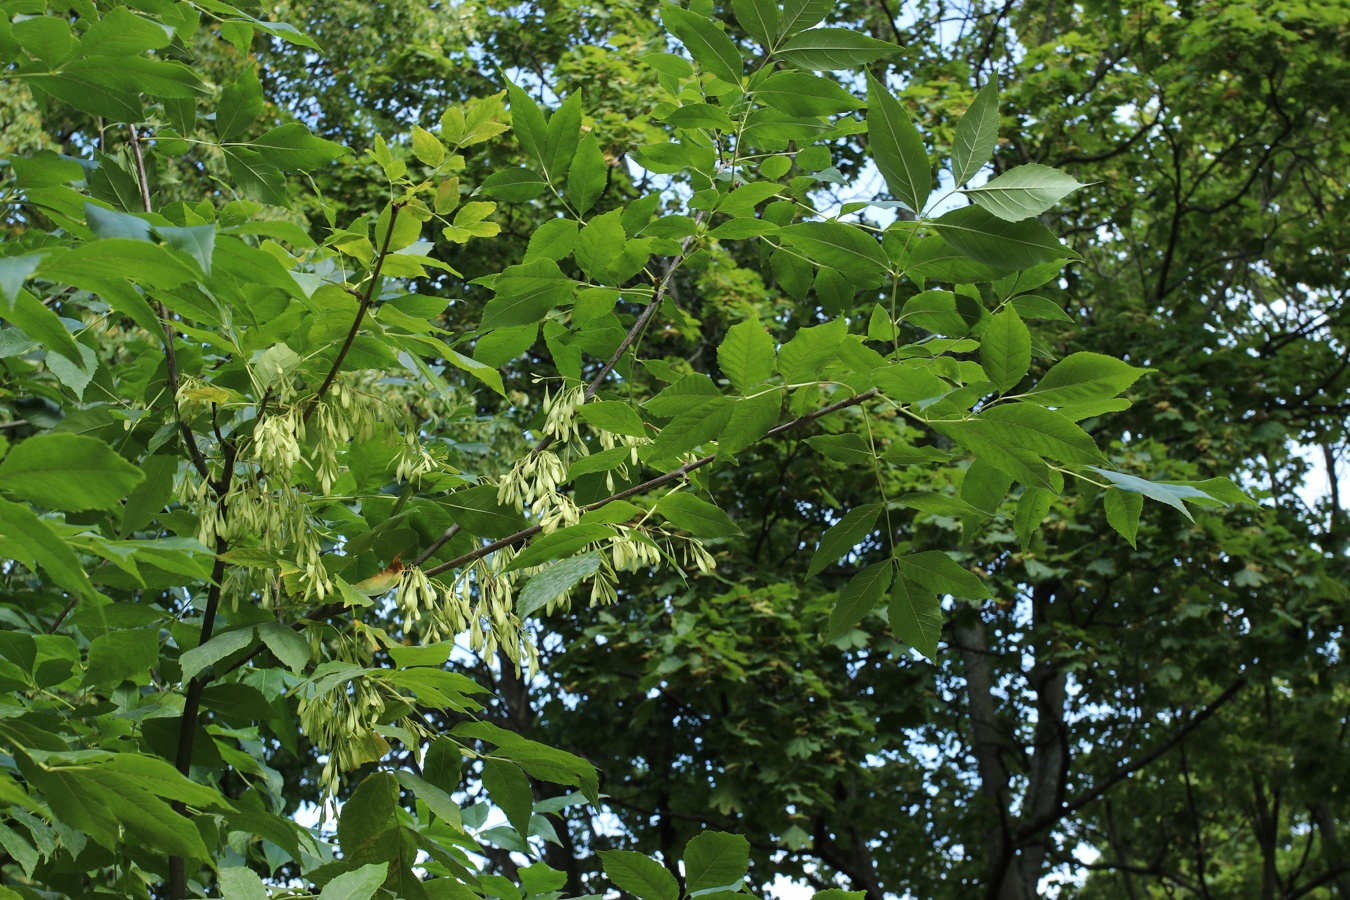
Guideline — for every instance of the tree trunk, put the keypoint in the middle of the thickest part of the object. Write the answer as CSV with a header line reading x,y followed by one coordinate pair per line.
x,y
989,744
1333,854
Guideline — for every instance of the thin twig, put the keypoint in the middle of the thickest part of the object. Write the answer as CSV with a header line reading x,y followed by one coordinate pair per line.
x,y
645,486
366,299
170,357
140,169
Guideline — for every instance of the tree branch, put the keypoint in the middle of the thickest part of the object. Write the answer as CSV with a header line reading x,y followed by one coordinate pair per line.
x,y
1123,772
366,299
645,486
170,357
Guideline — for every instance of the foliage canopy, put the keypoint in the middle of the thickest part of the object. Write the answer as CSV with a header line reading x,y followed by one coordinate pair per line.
x,y
371,441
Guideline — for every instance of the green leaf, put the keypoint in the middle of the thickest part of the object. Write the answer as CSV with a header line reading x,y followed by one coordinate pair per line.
x,y
687,393
601,244
1039,430
68,471
154,266
120,32
799,15
441,765
527,120
843,536
427,147
841,247
990,445
109,223
562,138
554,581
291,147
802,94
514,185
746,355
197,241
802,358
759,18
256,178
984,486
696,516
286,644
613,416
938,572
213,651
437,800
121,655
994,242
908,383
497,348
1032,307
240,104
1023,191
29,540
239,883
700,115
639,875
897,148
488,375
47,37
1084,378
477,511
941,505
561,543
1170,493
858,598
589,173
849,448
715,859
555,240
111,802
750,420
976,134
360,884
368,829
833,48
915,614
934,311
1031,509
39,323
1122,512
13,271
706,43
703,420
1005,350
525,293
510,790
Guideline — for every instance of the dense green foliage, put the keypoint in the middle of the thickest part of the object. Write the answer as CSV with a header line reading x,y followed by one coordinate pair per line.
x,y
670,449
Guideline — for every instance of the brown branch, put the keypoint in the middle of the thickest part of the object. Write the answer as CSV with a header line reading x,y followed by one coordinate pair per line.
x,y
366,299
648,485
192,698
1123,772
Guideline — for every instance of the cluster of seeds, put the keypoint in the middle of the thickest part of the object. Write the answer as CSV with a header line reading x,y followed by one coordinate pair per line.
x,y
338,722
